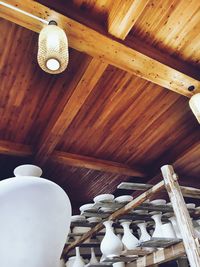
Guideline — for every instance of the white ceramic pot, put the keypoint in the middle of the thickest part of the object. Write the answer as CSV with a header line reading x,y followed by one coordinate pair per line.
x,y
70,261
35,218
93,259
168,230
80,230
62,263
158,225
128,239
78,262
145,236
175,226
111,245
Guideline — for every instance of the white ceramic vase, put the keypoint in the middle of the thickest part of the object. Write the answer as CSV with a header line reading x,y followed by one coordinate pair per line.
x,y
93,259
168,230
70,261
81,230
145,236
62,263
78,262
175,226
128,239
111,245
35,219
158,225
119,264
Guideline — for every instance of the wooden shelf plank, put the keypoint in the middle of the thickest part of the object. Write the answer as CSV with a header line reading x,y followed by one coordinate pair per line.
x,y
121,258
134,186
160,256
160,242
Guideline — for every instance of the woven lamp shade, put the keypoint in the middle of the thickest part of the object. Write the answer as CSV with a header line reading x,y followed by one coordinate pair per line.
x,y
53,54
195,105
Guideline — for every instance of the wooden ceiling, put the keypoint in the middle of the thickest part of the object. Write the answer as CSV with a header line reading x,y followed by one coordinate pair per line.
x,y
120,110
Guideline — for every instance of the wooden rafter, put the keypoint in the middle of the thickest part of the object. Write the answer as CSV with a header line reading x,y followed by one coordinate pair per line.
x,y
86,40
123,15
96,164
61,121
15,149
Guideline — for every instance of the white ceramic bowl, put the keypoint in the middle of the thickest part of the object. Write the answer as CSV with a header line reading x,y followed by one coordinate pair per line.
x,y
141,211
124,199
158,202
106,209
76,218
104,198
94,219
190,205
85,207
80,230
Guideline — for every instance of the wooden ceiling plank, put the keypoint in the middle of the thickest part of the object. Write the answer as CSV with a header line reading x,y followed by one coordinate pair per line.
x,y
79,161
96,164
81,91
14,149
123,15
84,39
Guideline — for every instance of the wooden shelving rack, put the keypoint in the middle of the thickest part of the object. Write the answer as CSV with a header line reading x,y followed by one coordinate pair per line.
x,y
145,257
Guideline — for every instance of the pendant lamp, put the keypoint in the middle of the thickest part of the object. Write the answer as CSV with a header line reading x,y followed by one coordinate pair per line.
x,y
53,54
195,105
35,219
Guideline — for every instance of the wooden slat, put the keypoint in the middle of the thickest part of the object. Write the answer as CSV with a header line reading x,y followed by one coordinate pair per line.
x,y
160,242
123,15
160,256
134,186
14,149
96,164
190,192
128,207
184,221
97,45
56,128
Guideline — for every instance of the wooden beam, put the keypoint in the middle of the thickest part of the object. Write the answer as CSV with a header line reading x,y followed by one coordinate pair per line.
x,y
190,241
96,164
123,15
160,256
20,150
81,90
14,149
86,40
117,214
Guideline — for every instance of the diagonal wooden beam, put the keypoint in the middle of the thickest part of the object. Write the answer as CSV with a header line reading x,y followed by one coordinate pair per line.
x,y
84,39
61,121
123,15
96,164
20,150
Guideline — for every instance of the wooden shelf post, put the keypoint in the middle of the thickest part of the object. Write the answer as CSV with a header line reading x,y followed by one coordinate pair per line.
x,y
191,243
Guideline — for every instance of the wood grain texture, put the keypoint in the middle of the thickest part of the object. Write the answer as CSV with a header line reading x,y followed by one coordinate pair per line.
x,y
97,45
61,121
171,27
123,15
15,149
160,256
96,164
190,241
